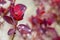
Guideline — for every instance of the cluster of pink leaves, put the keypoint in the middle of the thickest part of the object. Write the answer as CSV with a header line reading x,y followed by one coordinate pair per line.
x,y
44,24
38,24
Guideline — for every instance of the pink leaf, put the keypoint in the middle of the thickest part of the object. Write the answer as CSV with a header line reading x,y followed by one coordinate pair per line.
x,y
11,31
24,29
52,32
12,1
2,1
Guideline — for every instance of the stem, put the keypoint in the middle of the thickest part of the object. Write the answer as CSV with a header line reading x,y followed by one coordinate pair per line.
x,y
5,12
14,33
13,37
25,38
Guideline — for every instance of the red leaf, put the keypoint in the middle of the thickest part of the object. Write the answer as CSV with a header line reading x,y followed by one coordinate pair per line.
x,y
40,12
57,38
10,20
17,11
35,20
2,10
